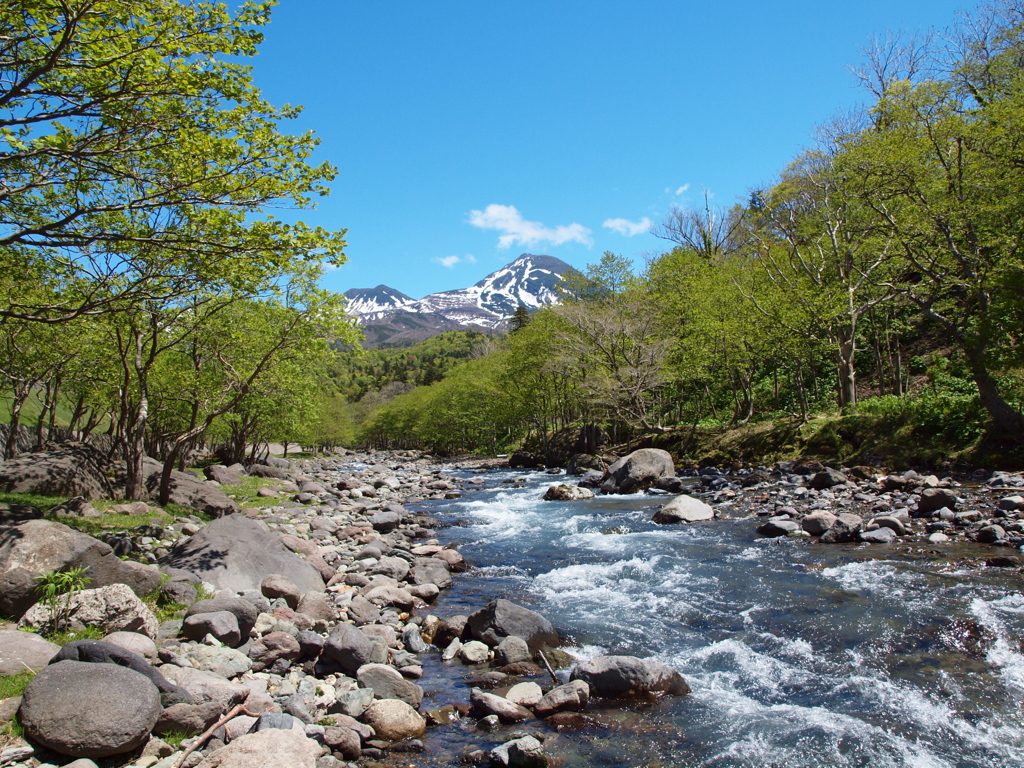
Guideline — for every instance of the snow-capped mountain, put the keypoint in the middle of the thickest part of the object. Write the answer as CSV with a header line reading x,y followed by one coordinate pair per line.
x,y
528,281
375,303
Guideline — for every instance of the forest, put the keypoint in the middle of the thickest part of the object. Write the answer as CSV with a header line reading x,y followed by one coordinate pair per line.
x,y
880,276
148,295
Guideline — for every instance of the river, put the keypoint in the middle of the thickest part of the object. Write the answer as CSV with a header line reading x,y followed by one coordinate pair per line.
x,y
799,655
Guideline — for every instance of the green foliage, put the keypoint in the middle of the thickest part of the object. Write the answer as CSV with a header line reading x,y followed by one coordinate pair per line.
x,y
56,589
85,633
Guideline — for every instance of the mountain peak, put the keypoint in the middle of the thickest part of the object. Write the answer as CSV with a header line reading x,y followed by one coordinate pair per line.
x,y
528,281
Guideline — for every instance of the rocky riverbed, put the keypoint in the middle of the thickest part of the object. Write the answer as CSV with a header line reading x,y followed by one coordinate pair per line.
x,y
310,636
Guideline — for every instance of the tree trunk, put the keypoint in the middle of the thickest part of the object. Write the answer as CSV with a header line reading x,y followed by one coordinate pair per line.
x,y
846,348
165,473
11,448
1006,418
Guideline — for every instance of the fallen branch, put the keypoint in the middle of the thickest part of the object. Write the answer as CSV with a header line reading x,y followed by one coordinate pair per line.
x,y
238,709
548,667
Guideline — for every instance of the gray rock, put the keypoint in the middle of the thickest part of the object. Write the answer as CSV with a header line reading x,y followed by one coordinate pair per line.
x,y
524,752
222,475
62,469
266,749
474,652
237,554
637,471
24,650
262,470
349,647
412,639
59,709
846,528
878,536
135,642
223,625
38,546
776,527
385,521
396,568
189,491
683,509
278,586
511,650
277,645
933,499
387,683
344,741
485,704
990,534
205,686
1011,503
318,607
352,703
565,492
616,676
818,522
112,608
362,611
501,618
226,662
430,570
100,652
827,478
187,718
572,697
394,720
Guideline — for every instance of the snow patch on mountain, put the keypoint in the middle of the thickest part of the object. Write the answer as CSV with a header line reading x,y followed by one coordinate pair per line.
x,y
528,281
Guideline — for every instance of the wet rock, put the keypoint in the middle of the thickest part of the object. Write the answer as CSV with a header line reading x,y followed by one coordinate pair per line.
x,y
990,534
775,527
485,704
525,694
511,650
818,522
501,618
878,536
89,710
524,752
637,471
616,676
933,499
1003,561
846,528
567,493
572,697
394,720
683,509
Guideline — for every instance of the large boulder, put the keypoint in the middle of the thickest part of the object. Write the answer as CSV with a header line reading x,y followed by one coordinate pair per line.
x,y
270,748
565,492
205,686
683,509
386,682
113,608
237,554
637,471
39,546
846,528
617,676
189,491
349,647
23,650
501,618
89,710
61,469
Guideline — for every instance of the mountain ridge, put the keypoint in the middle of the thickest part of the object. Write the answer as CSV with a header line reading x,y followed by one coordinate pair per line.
x,y
528,281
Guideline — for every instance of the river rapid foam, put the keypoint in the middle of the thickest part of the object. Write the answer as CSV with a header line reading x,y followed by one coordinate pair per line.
x,y
799,655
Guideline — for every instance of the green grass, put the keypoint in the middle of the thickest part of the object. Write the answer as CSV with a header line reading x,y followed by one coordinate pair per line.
x,y
85,633
15,685
174,738
246,494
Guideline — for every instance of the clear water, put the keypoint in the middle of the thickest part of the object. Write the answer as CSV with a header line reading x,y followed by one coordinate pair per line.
x,y
798,654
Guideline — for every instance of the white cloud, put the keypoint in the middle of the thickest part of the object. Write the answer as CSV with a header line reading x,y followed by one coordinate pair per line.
x,y
507,220
677,191
627,227
451,261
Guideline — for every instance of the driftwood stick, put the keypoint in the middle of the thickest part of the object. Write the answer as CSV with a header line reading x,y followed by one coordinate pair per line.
x,y
548,667
238,709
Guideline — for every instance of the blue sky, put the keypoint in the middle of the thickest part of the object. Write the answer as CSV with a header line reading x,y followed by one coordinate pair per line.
x,y
467,133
